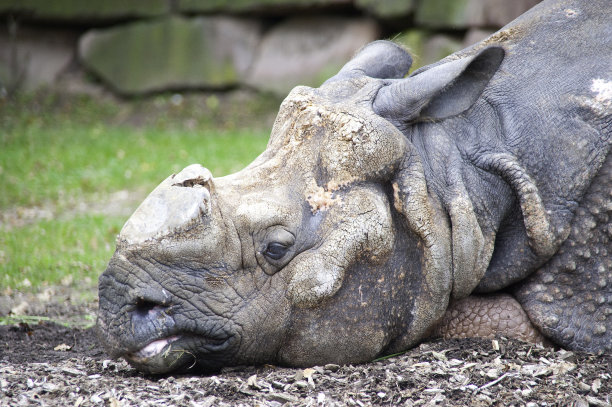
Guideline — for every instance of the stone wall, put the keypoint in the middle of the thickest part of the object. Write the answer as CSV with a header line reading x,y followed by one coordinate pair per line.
x,y
136,47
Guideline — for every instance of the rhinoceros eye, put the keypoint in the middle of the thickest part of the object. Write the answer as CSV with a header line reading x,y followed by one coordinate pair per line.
x,y
275,250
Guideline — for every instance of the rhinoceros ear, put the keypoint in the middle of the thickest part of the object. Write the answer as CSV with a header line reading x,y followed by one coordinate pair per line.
x,y
378,59
442,91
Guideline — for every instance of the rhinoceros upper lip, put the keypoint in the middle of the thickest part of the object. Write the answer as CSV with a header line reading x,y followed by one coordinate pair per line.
x,y
152,349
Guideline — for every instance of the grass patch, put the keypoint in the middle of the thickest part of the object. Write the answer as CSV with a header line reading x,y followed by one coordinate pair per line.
x,y
56,152
61,163
53,150
57,251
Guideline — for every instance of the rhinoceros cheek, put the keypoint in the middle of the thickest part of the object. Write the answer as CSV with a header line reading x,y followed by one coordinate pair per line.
x,y
329,341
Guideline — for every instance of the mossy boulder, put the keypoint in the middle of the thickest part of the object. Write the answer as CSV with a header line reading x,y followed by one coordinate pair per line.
x,y
440,46
470,13
307,51
260,6
35,57
386,8
171,53
82,9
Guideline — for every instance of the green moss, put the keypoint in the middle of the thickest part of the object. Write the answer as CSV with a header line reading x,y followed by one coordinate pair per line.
x,y
69,9
171,52
443,13
244,5
386,8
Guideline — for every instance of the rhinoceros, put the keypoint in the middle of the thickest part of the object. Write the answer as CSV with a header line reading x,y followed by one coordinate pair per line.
x,y
472,197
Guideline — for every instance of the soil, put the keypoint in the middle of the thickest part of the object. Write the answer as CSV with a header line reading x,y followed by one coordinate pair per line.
x,y
45,363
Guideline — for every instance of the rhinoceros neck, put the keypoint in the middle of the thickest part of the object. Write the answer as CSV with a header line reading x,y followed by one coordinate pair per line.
x,y
475,201
524,160
528,149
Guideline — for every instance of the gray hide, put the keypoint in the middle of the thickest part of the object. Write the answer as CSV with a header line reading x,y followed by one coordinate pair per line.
x,y
379,200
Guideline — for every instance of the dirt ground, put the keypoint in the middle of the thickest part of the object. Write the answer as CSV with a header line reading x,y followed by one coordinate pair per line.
x,y
44,363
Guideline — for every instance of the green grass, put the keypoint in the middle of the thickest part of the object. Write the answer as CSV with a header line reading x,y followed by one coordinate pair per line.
x,y
74,152
57,251
55,153
56,163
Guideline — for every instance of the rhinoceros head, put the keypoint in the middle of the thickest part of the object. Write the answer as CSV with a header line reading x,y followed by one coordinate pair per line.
x,y
327,248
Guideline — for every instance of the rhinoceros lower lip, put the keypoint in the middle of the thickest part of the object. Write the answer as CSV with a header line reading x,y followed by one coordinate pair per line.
x,y
152,349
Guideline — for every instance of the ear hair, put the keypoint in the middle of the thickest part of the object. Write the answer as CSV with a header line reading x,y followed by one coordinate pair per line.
x,y
378,59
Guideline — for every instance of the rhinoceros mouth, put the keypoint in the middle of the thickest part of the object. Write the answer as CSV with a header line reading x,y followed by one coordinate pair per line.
x,y
161,356
175,353
152,349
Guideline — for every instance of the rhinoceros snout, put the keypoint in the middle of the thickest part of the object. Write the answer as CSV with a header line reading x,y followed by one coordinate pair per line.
x,y
152,327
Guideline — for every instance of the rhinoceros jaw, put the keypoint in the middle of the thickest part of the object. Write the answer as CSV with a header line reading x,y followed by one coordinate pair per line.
x,y
152,349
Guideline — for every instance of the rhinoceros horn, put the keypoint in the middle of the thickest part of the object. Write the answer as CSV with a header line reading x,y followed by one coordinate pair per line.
x,y
179,201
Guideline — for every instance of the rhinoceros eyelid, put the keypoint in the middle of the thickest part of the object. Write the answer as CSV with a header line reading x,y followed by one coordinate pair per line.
x,y
276,250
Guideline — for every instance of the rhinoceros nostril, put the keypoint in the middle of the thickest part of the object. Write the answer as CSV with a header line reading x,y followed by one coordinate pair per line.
x,y
144,308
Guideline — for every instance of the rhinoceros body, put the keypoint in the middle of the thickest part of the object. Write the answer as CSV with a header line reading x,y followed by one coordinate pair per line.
x,y
476,191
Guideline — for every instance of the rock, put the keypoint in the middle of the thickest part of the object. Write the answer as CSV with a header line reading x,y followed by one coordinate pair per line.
x,y
498,13
282,398
84,10
171,53
470,13
386,8
446,13
301,384
426,48
332,367
259,6
307,51
34,57
439,46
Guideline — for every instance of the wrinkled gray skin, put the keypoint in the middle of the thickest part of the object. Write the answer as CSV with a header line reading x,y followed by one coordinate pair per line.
x,y
379,200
